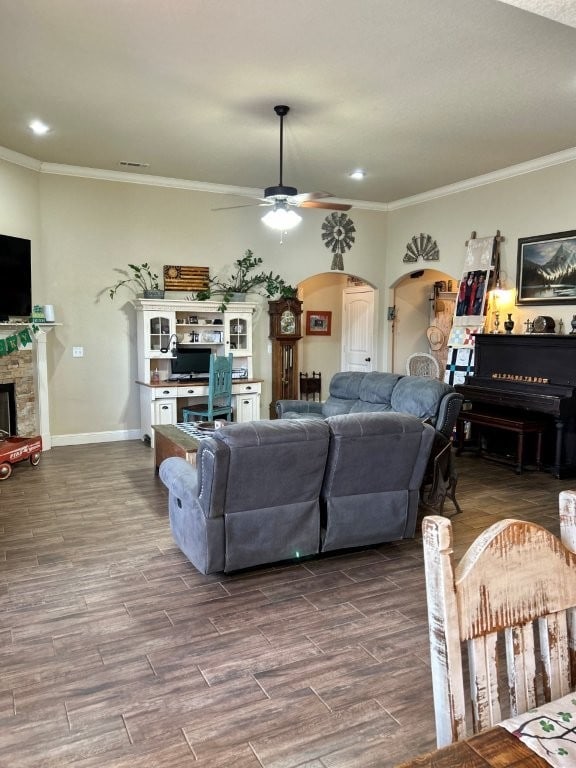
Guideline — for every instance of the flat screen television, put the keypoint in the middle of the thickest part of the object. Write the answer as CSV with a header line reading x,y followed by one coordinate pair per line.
x,y
191,361
15,277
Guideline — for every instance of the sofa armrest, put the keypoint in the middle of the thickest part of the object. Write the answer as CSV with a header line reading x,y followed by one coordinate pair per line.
x,y
181,479
448,413
299,407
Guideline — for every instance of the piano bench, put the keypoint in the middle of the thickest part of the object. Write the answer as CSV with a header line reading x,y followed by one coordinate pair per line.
x,y
515,424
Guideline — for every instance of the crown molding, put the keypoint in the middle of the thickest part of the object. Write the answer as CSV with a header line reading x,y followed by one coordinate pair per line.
x,y
540,163
17,159
57,169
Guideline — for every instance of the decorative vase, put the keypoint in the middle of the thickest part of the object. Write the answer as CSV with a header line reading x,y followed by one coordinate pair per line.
x,y
238,296
153,293
509,324
573,324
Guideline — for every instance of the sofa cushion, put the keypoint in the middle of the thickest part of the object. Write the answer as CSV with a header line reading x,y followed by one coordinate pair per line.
x,y
375,392
419,396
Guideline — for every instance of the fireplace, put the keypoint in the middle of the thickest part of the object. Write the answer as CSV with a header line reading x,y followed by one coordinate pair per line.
x,y
18,404
7,409
25,370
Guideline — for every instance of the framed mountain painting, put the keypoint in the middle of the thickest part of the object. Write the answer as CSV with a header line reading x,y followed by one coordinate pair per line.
x,y
546,270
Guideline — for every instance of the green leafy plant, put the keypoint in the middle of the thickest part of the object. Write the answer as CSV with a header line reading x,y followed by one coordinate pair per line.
x,y
244,279
140,278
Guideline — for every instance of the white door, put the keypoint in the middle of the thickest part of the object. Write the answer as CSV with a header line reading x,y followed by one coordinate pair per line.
x,y
358,329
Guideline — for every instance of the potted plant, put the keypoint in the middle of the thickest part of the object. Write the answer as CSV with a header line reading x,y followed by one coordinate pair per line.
x,y
245,280
139,278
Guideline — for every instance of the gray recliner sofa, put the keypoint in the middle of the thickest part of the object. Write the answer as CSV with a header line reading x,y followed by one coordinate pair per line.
x,y
371,489
265,491
357,392
253,497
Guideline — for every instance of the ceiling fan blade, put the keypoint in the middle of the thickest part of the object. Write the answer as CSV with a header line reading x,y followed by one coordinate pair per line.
x,y
326,205
305,196
245,205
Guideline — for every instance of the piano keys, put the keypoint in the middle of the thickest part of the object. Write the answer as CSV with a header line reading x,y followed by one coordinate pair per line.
x,y
529,373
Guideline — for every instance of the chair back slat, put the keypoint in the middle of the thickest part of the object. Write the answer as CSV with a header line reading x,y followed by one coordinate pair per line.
x,y
512,600
521,666
483,667
555,655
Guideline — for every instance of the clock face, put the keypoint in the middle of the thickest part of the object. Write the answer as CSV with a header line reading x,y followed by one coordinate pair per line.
x,y
287,322
543,324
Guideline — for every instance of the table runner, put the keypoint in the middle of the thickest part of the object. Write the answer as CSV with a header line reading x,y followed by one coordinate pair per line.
x,y
549,730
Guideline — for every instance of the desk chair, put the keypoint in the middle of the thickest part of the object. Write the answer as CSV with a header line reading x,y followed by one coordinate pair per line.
x,y
514,591
423,364
219,401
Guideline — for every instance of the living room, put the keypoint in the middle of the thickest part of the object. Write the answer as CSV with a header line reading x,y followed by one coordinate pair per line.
x,y
87,221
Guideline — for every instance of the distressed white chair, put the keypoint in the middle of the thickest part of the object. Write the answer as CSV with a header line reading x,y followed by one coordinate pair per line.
x,y
511,601
422,364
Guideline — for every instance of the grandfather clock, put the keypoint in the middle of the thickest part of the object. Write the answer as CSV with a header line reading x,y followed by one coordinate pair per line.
x,y
285,332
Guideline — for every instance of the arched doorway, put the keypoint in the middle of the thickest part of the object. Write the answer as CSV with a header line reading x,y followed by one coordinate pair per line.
x,y
323,292
424,302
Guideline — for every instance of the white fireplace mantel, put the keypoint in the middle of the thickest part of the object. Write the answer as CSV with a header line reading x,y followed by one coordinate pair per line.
x,y
39,339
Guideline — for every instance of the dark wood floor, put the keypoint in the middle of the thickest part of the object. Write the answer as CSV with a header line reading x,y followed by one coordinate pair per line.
x,y
116,652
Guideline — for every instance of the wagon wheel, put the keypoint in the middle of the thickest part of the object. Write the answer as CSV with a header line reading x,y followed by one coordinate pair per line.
x,y
5,471
35,458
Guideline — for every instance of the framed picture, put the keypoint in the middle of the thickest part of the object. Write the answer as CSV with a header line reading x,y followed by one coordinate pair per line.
x,y
546,270
318,323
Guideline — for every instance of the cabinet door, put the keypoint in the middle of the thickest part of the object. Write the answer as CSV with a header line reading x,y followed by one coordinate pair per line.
x,y
238,327
165,411
247,407
159,327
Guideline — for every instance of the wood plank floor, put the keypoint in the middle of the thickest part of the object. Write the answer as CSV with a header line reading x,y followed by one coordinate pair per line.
x,y
116,652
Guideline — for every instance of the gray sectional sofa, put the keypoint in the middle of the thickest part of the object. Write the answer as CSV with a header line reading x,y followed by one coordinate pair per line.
x,y
356,392
265,491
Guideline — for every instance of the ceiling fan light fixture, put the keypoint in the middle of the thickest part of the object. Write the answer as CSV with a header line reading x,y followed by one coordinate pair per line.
x,y
280,217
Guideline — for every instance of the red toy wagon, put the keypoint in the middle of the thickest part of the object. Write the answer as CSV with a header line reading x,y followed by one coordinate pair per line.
x,y
14,449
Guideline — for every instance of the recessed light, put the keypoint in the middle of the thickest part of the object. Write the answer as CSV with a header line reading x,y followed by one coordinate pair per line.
x,y
38,127
357,174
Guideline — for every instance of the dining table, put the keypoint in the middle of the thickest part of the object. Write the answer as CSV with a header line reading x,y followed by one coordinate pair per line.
x,y
542,737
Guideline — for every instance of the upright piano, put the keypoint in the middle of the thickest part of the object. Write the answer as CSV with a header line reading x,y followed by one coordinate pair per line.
x,y
535,373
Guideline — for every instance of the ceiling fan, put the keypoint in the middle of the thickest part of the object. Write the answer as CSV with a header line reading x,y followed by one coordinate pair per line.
x,y
281,197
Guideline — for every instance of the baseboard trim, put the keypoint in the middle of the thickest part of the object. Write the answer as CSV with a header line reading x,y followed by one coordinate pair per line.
x,y
95,437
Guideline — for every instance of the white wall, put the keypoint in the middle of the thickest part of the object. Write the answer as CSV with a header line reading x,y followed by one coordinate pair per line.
x,y
534,203
83,230
92,227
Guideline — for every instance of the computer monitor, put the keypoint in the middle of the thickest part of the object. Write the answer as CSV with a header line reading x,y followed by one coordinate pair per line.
x,y
191,361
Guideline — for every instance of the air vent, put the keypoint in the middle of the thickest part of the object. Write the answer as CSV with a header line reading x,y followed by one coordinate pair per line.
x,y
130,164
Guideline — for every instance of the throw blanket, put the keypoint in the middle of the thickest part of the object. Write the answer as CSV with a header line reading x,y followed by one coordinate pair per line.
x,y
549,730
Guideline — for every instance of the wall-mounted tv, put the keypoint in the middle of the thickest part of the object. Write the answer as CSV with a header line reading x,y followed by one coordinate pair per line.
x,y
191,361
15,277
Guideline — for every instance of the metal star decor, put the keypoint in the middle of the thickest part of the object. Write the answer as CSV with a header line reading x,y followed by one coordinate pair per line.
x,y
338,235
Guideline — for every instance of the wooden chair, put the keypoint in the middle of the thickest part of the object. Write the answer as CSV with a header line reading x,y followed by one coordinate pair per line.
x,y
511,601
311,385
423,364
219,401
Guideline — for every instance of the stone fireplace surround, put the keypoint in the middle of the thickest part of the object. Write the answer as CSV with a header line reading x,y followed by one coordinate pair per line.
x,y
27,369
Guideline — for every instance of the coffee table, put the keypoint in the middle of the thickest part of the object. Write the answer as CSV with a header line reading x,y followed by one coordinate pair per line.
x,y
171,441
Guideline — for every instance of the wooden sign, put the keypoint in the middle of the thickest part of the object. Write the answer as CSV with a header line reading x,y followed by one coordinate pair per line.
x,y
185,278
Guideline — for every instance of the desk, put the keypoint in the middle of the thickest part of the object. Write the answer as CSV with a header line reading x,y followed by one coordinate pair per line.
x,y
494,748
162,402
